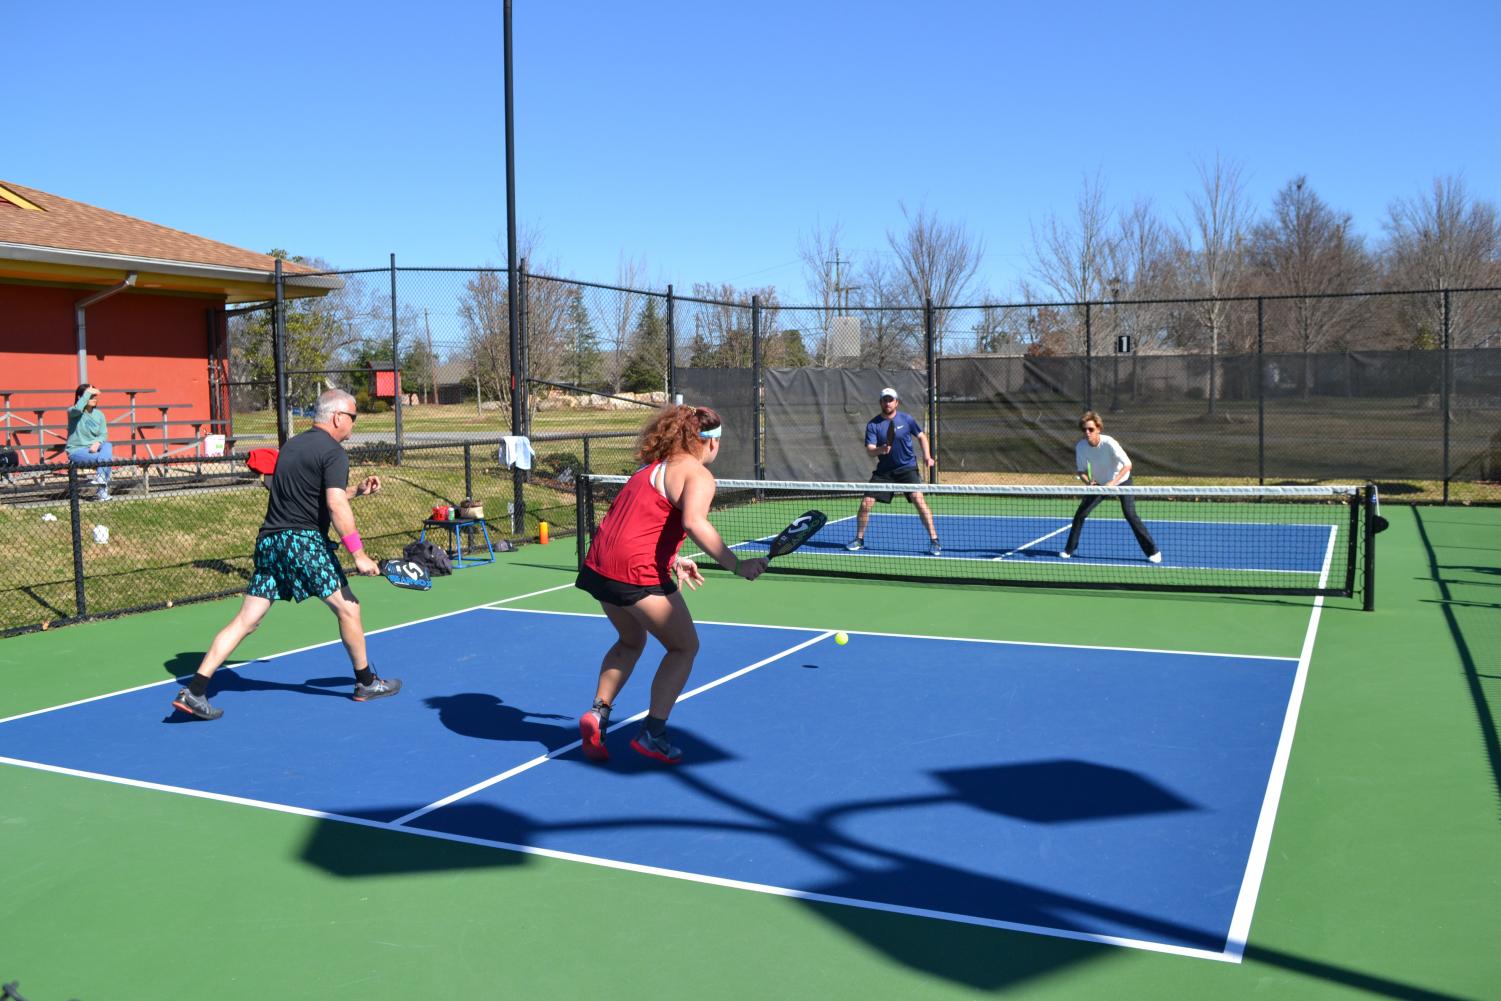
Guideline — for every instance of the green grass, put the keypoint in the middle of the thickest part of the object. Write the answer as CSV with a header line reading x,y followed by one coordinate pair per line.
x,y
463,417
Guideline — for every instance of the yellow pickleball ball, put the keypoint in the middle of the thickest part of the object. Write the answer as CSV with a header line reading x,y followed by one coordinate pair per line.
x,y
841,638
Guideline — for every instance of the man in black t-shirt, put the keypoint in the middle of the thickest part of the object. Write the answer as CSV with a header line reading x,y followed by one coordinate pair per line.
x,y
294,557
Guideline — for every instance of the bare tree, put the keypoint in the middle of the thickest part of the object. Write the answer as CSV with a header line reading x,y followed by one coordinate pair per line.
x,y
828,276
620,321
1213,253
1309,250
1071,262
937,260
1445,240
891,328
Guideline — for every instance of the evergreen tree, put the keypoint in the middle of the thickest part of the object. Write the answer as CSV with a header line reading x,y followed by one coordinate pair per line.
x,y
581,352
646,369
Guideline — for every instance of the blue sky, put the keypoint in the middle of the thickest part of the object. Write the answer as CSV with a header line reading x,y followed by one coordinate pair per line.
x,y
705,139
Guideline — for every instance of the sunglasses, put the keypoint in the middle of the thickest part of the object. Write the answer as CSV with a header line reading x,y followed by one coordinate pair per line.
x,y
346,413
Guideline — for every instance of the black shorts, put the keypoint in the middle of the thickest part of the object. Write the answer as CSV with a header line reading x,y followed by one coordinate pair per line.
x,y
908,475
615,592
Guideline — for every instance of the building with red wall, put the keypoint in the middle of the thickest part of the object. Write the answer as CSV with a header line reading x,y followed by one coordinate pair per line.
x,y
90,295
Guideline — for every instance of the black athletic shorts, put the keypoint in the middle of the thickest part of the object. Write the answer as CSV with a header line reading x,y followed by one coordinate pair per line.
x,y
615,592
908,475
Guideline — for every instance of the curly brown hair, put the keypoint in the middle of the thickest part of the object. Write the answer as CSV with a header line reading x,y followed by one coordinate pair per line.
x,y
674,430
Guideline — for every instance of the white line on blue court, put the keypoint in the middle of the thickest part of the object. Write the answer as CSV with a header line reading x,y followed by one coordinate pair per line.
x,y
1261,842
1029,545
926,636
636,867
283,653
559,752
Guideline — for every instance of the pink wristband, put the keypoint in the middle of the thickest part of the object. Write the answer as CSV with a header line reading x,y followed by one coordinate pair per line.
x,y
352,542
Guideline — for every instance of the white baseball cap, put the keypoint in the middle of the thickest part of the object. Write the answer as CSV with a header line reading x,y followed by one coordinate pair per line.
x,y
888,391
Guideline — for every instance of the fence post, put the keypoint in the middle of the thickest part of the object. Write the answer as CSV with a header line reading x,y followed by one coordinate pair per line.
x,y
468,475
1368,504
672,353
1444,394
1260,393
79,598
395,360
587,467
523,286
756,387
929,336
1088,361
279,356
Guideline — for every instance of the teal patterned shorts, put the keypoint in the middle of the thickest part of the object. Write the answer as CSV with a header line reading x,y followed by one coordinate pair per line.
x,y
293,565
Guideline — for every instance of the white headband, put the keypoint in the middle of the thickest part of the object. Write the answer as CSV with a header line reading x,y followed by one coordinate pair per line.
x,y
711,433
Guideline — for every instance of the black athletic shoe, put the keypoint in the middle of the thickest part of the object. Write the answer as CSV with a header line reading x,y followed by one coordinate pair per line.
x,y
377,689
196,706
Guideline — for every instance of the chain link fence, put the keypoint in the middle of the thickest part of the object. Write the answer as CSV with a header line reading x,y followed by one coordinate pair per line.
x,y
184,529
1403,389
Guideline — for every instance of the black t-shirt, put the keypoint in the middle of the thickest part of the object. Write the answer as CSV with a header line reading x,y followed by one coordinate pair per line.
x,y
309,464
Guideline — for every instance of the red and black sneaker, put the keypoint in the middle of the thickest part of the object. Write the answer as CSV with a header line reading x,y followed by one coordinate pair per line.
x,y
592,733
657,748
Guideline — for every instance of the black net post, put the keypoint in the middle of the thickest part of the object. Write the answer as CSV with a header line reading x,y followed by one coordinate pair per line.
x,y
760,470
77,529
1260,391
1444,393
395,360
279,354
468,470
1368,585
580,514
931,357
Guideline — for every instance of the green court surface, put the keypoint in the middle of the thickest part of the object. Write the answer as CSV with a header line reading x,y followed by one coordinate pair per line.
x,y
1383,877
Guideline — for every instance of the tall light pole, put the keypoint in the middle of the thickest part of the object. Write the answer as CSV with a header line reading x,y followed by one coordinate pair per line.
x,y
513,306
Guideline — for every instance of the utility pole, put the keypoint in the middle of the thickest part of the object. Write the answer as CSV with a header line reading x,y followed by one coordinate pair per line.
x,y
432,361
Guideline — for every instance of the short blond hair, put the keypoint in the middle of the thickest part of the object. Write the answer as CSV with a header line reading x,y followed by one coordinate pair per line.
x,y
1090,415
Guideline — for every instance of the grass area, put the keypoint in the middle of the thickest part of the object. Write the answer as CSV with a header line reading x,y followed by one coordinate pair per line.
x,y
465,418
198,542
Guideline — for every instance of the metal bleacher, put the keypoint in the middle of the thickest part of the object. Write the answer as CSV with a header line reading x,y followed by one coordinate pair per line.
x,y
38,433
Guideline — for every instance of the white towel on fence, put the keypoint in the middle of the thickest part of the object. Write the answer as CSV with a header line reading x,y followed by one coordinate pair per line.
x,y
516,450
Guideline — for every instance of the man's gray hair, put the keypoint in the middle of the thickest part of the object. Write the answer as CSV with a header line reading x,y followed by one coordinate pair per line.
x,y
329,402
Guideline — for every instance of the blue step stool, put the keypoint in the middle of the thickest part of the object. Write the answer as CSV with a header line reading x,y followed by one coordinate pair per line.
x,y
455,549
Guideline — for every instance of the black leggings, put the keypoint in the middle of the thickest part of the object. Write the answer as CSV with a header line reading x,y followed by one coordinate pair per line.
x,y
1128,506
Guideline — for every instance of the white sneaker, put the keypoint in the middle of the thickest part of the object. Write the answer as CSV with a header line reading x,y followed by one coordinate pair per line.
x,y
1065,555
102,495
1155,558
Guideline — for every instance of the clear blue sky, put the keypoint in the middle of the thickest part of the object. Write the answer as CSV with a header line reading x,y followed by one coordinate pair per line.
x,y
706,138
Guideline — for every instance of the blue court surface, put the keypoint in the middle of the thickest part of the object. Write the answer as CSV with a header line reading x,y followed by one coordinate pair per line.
x,y
1233,546
1106,794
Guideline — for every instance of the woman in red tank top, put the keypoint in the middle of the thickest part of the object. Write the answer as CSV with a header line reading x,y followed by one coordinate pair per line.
x,y
632,562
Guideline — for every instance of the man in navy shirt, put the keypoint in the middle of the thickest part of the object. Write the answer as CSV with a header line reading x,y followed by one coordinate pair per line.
x,y
888,436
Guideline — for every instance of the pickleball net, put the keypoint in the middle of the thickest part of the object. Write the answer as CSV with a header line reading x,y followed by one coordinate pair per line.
x,y
1283,540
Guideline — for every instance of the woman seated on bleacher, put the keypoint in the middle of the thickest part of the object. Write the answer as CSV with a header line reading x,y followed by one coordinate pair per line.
x,y
88,437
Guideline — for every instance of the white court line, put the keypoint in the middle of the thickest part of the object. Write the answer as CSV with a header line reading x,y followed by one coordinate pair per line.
x,y
1029,545
635,867
274,656
949,639
526,766
1250,886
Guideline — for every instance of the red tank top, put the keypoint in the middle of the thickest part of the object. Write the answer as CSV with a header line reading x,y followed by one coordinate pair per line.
x,y
640,536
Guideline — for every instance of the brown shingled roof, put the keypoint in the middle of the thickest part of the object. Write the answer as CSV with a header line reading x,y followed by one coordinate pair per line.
x,y
63,224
